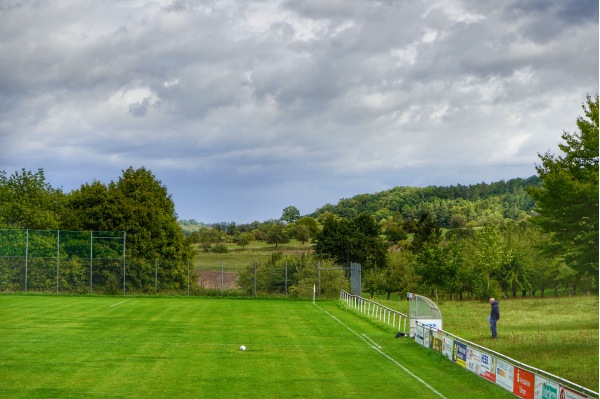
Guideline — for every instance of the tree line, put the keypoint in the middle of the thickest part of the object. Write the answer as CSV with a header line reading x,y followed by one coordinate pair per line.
x,y
137,204
517,236
522,235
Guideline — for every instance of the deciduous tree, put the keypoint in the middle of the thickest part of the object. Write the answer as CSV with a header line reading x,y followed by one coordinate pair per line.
x,y
567,203
290,214
355,240
277,235
27,201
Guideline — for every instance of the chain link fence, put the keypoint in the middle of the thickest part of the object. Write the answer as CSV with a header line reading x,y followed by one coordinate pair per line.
x,y
92,262
163,277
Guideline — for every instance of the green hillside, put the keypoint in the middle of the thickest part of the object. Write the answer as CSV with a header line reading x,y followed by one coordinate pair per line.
x,y
450,206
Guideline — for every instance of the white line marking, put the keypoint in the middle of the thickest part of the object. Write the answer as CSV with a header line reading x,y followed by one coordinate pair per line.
x,y
373,343
377,348
120,302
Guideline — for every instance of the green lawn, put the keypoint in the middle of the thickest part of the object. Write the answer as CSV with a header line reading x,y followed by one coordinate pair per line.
x,y
129,347
557,335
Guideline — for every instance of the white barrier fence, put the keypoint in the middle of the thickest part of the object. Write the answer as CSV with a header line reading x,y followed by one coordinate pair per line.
x,y
522,380
377,311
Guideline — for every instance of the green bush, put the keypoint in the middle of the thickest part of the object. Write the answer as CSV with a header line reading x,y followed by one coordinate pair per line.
x,y
220,249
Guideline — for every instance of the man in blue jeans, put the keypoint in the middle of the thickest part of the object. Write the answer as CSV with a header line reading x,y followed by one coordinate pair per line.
x,y
494,317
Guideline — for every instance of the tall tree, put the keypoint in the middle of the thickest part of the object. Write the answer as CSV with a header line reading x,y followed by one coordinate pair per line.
x,y
149,217
400,275
243,239
138,204
290,214
491,253
355,240
311,224
427,231
92,207
431,266
277,235
567,203
27,201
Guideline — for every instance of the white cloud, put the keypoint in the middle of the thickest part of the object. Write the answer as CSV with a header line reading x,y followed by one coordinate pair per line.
x,y
298,100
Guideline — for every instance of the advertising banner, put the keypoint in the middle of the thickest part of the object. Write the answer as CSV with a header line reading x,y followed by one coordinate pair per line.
x,y
566,393
433,323
505,375
460,354
419,334
436,341
487,367
447,347
426,336
545,389
523,385
473,360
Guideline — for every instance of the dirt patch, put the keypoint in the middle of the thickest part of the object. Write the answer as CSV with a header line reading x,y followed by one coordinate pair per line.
x,y
212,279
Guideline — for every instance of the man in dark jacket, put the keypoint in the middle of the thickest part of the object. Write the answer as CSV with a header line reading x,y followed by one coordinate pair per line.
x,y
494,317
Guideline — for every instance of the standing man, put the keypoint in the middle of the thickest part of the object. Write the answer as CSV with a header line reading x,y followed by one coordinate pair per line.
x,y
494,317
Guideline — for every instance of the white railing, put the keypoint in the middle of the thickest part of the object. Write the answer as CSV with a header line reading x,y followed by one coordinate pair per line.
x,y
377,311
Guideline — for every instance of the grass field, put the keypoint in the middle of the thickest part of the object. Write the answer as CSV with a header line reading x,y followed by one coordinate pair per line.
x,y
129,347
557,335
237,258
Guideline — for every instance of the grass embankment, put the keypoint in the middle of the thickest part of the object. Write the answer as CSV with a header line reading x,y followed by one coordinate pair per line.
x,y
557,335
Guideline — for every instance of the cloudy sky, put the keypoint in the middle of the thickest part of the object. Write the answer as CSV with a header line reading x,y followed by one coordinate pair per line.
x,y
242,108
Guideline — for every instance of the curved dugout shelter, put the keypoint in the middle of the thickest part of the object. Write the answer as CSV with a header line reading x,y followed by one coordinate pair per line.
x,y
423,310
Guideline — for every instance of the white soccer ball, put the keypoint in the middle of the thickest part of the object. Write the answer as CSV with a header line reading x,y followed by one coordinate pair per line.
x,y
242,348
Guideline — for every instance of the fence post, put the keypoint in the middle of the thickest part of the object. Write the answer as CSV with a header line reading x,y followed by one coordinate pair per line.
x,y
188,279
91,261
57,257
319,267
124,262
254,279
286,279
26,258
222,276
123,276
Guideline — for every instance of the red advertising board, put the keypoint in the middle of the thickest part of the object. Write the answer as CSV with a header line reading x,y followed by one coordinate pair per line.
x,y
523,385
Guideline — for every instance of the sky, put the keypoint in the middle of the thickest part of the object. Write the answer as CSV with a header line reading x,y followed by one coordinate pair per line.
x,y
242,108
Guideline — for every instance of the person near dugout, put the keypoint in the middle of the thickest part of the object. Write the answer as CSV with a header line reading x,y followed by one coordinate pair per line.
x,y
494,317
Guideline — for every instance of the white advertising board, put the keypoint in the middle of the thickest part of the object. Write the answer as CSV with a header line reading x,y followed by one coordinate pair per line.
x,y
426,337
433,323
473,360
487,367
419,334
545,389
566,393
447,347
505,374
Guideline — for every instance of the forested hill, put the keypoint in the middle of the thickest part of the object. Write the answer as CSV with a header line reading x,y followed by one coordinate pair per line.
x,y
452,206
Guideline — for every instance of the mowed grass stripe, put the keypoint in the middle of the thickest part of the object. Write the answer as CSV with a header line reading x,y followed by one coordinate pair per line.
x,y
83,347
378,348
